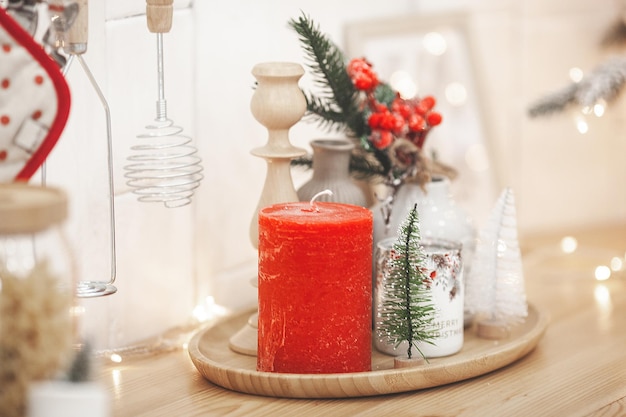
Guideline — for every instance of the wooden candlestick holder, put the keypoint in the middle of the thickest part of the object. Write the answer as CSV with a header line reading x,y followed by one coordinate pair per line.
x,y
277,103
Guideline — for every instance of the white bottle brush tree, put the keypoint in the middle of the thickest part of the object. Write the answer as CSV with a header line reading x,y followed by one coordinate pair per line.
x,y
407,311
495,290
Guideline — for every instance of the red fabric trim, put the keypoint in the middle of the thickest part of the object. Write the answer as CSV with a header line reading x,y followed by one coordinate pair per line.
x,y
62,94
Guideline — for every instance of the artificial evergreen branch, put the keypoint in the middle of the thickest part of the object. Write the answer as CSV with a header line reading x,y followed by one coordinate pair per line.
x,y
362,165
554,102
351,99
407,311
604,83
335,106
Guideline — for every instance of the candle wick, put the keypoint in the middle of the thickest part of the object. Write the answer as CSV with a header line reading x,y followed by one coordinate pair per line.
x,y
316,196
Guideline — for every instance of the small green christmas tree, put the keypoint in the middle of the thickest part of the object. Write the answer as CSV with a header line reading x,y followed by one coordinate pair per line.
x,y
407,311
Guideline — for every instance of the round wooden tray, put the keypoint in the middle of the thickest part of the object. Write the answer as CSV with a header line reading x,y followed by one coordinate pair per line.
x,y
213,358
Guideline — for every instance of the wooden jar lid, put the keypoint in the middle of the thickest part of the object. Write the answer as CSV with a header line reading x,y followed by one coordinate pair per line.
x,y
28,208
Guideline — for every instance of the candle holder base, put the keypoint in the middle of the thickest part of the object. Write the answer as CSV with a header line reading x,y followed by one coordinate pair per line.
x,y
405,362
245,340
492,329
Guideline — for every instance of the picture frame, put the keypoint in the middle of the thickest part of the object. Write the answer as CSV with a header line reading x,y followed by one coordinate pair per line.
x,y
434,54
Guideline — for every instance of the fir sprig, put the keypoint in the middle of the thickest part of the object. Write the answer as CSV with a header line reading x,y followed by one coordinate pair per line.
x,y
335,105
407,311
605,82
362,165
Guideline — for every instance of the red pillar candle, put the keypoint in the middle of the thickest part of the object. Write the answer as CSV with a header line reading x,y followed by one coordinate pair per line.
x,y
314,288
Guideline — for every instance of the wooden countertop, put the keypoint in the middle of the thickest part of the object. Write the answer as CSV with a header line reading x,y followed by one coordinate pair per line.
x,y
577,369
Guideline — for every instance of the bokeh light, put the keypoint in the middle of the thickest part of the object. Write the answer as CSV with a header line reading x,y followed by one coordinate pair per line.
x,y
435,43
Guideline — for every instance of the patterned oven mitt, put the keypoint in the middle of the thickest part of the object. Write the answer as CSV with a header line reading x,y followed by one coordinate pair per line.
x,y
34,102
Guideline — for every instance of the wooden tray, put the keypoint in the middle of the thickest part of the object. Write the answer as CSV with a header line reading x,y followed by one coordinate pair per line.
x,y
211,355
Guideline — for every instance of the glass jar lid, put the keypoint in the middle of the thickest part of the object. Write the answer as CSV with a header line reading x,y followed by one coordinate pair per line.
x,y
28,208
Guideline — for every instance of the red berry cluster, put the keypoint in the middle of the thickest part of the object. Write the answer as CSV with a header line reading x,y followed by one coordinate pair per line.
x,y
362,75
409,119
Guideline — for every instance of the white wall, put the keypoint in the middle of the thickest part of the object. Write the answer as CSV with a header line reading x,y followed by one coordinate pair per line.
x,y
169,260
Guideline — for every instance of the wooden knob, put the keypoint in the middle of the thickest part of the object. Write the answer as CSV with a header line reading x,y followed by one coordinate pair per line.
x,y
159,15
77,34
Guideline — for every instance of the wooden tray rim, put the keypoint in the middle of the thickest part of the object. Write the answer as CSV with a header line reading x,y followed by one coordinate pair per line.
x,y
494,355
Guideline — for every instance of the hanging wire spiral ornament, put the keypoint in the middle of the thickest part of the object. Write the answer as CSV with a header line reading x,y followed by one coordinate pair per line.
x,y
165,167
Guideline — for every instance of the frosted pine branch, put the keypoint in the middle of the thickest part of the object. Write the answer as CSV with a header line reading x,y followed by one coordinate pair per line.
x,y
604,83
555,102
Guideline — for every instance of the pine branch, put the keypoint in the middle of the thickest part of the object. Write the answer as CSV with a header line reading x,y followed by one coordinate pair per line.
x,y
363,166
303,161
604,83
555,102
327,63
324,112
335,107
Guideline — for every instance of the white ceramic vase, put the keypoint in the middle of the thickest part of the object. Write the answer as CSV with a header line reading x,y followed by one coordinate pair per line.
x,y
331,170
440,217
